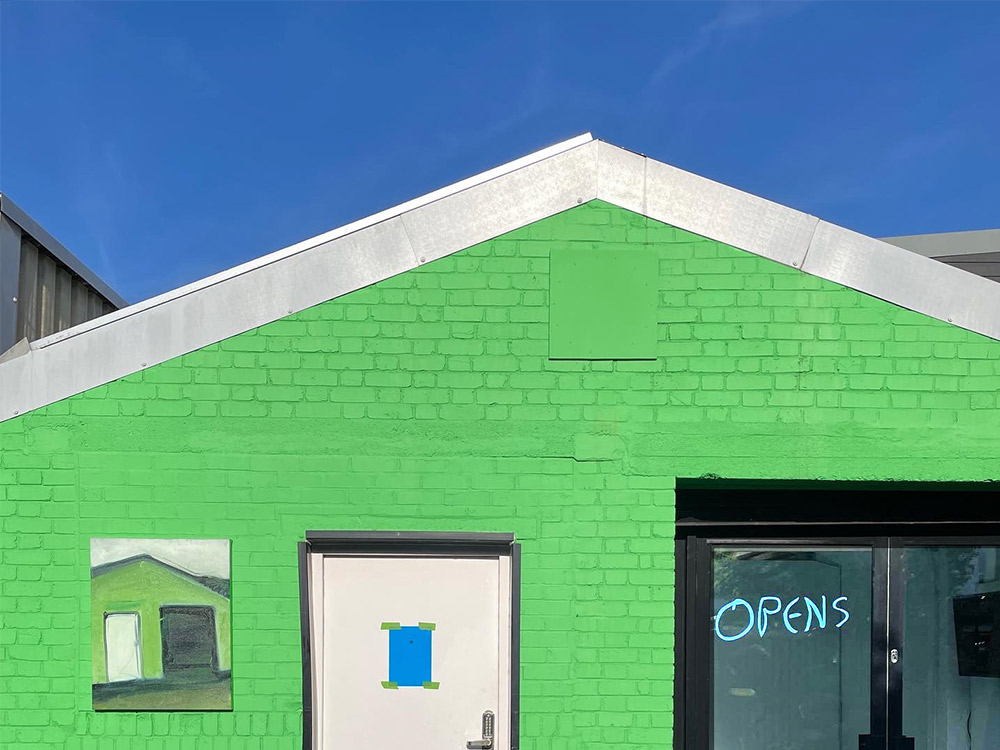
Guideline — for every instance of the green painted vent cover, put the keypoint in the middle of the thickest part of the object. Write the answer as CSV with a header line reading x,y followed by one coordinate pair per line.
x,y
602,303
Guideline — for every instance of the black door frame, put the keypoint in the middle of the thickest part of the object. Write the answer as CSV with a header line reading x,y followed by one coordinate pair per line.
x,y
415,543
693,644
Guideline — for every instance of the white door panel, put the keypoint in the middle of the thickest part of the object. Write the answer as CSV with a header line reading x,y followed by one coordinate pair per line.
x,y
368,600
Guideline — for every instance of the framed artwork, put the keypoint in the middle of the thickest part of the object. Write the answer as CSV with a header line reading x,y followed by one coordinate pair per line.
x,y
160,624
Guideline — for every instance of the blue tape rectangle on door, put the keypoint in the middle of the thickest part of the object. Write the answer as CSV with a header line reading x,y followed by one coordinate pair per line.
x,y
410,656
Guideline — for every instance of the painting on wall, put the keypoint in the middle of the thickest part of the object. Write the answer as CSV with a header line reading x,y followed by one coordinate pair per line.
x,y
160,624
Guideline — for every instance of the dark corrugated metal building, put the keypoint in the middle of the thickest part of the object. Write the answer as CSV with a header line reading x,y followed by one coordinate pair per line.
x,y
44,288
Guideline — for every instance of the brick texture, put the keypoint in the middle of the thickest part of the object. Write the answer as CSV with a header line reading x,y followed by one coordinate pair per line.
x,y
428,402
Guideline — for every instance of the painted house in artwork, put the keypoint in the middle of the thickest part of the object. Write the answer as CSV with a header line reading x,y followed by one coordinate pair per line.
x,y
663,464
160,635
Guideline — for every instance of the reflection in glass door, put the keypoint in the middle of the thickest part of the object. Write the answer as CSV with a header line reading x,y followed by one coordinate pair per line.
x,y
951,647
791,647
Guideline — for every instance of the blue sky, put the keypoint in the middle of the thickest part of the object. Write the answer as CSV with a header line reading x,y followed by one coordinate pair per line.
x,y
162,142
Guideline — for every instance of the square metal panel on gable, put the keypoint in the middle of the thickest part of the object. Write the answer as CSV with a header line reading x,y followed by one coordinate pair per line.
x,y
602,303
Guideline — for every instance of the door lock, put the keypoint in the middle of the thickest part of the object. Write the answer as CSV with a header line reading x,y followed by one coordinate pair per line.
x,y
894,656
486,743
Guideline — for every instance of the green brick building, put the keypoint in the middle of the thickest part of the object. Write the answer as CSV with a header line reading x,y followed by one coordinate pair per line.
x,y
693,410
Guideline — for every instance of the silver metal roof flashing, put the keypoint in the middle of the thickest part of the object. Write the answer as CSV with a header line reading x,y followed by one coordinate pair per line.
x,y
474,210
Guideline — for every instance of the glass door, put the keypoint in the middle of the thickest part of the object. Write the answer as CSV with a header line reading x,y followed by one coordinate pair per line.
x,y
947,653
794,648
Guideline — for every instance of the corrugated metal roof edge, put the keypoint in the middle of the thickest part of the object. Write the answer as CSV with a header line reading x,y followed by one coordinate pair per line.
x,y
32,228
464,214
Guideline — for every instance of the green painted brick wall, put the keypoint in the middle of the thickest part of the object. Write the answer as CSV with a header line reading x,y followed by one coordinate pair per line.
x,y
428,402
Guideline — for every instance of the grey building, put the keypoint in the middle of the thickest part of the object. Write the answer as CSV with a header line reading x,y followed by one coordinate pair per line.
x,y
44,288
977,252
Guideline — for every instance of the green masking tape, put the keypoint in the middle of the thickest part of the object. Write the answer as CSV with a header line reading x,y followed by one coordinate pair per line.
x,y
391,626
426,625
431,685
389,685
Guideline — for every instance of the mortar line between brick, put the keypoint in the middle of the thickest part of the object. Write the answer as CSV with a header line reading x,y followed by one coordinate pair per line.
x,y
78,667
645,203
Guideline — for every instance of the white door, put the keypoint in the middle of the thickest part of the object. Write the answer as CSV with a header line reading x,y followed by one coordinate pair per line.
x,y
122,645
414,651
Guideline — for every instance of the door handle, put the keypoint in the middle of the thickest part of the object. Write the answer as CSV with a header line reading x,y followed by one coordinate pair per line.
x,y
486,743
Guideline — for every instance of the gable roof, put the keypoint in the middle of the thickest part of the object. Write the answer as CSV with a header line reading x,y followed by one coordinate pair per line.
x,y
474,210
215,584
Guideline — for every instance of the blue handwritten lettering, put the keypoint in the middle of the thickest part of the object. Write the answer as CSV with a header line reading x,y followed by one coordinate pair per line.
x,y
820,615
763,612
844,612
770,605
786,617
732,606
